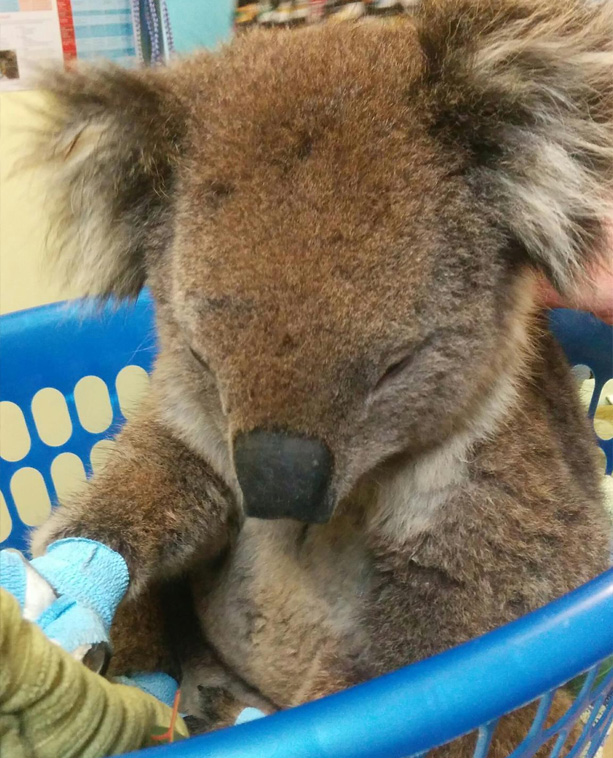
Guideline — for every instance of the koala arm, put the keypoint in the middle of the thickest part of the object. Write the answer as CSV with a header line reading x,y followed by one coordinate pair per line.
x,y
156,503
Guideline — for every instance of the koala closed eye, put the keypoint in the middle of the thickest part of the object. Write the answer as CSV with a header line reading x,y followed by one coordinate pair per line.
x,y
405,358
394,370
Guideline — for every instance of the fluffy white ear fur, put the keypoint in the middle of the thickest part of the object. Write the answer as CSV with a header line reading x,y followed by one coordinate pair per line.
x,y
108,146
529,84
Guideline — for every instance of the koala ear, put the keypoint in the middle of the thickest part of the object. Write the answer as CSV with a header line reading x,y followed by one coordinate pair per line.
x,y
110,143
524,90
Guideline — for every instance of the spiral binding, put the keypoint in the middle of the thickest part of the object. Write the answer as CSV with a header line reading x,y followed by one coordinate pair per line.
x,y
152,31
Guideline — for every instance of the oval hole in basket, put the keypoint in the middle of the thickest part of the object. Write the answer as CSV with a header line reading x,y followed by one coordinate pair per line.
x,y
93,404
99,454
606,482
601,461
68,474
132,385
30,496
585,384
603,421
51,417
14,435
607,489
6,522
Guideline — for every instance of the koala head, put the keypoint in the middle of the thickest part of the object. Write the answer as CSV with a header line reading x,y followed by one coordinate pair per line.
x,y
340,226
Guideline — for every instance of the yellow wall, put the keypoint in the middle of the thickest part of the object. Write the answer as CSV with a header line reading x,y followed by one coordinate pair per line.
x,y
23,280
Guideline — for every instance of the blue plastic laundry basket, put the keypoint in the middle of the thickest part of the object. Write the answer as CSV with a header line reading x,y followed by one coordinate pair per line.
x,y
402,714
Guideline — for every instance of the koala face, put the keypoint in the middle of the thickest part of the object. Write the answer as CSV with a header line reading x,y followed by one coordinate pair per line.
x,y
333,281
339,227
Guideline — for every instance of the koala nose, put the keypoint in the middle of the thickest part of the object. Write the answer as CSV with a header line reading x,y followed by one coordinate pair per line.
x,y
284,476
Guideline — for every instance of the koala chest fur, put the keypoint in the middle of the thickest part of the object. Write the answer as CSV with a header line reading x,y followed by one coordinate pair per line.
x,y
284,599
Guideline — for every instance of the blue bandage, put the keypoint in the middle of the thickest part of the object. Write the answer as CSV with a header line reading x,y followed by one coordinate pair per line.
x,y
160,685
13,575
88,572
248,714
71,592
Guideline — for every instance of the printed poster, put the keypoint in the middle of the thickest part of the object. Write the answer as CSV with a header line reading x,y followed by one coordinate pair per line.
x,y
34,33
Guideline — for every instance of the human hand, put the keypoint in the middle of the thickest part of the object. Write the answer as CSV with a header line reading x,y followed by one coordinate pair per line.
x,y
595,294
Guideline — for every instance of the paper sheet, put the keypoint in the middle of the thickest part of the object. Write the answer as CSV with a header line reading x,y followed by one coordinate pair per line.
x,y
41,32
29,37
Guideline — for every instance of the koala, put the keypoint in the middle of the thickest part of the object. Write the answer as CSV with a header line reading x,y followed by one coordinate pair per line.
x,y
361,445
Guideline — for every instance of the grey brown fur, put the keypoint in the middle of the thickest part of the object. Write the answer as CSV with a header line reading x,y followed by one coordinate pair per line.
x,y
310,209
